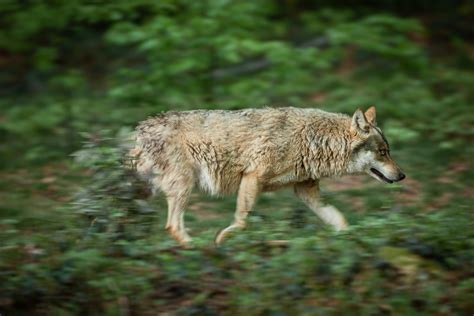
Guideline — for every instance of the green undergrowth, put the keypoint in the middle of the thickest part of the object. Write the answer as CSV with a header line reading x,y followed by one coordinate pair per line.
x,y
401,264
78,235
106,252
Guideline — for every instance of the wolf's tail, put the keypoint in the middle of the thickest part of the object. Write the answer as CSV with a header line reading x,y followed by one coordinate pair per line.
x,y
132,152
134,162
139,160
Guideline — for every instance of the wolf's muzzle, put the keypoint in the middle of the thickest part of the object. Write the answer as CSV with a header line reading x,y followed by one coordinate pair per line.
x,y
401,176
382,177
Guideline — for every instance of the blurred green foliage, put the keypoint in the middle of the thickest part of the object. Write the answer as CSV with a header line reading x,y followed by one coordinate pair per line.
x,y
112,261
79,237
97,65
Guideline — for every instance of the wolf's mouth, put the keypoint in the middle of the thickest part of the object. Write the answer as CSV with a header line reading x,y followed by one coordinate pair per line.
x,y
380,175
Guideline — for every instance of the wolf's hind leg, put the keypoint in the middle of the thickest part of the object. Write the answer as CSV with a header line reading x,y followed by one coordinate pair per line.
x,y
176,209
308,192
177,196
248,192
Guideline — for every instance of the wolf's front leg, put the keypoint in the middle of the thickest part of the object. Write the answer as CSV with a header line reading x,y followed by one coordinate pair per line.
x,y
308,192
248,192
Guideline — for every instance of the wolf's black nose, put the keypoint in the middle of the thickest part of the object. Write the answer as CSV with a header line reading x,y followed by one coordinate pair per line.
x,y
401,176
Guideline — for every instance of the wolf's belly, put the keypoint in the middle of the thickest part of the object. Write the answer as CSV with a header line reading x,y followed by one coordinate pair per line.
x,y
217,181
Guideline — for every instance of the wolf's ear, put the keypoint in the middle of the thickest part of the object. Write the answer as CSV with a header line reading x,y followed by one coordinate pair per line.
x,y
370,115
359,123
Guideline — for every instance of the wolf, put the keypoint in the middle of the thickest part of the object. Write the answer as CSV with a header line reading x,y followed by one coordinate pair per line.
x,y
247,152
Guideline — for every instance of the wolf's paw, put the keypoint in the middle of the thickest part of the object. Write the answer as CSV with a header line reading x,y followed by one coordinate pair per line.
x,y
181,237
224,233
332,216
343,226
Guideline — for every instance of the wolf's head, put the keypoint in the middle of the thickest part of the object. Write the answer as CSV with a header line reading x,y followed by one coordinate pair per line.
x,y
370,150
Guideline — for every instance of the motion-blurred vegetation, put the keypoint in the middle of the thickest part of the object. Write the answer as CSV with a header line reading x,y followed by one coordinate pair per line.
x,y
77,234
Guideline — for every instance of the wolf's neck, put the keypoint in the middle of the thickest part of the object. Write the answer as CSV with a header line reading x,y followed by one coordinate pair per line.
x,y
329,149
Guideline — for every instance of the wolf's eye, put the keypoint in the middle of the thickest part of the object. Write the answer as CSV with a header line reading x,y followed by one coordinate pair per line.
x,y
383,152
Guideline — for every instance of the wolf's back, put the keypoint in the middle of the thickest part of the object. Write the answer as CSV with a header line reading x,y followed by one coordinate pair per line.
x,y
218,147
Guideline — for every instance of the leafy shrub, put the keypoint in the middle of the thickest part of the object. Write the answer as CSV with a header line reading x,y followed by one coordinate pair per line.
x,y
111,260
113,199
103,66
